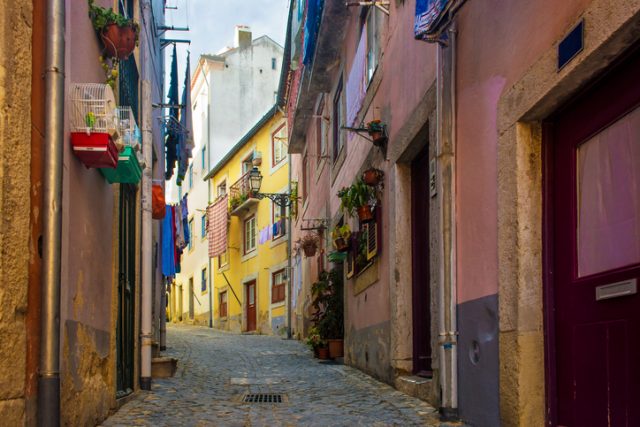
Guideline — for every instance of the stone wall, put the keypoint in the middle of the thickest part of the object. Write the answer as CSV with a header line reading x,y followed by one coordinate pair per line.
x,y
15,154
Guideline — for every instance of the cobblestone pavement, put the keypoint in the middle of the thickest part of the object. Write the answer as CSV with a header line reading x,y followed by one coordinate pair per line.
x,y
216,369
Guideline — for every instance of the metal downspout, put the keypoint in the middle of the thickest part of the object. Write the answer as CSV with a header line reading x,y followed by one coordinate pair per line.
x,y
49,371
289,238
146,320
447,296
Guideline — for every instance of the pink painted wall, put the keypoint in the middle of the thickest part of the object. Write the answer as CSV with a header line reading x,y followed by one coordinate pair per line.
x,y
408,71
498,42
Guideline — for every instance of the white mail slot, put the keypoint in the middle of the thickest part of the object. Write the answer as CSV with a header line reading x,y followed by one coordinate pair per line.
x,y
618,289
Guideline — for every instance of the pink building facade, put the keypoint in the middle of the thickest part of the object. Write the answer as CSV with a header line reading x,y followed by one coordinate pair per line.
x,y
507,246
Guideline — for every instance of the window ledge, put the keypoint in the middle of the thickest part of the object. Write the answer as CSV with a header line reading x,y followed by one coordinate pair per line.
x,y
277,242
277,167
278,304
250,255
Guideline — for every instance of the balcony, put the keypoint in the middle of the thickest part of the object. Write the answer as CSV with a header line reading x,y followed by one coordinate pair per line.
x,y
241,198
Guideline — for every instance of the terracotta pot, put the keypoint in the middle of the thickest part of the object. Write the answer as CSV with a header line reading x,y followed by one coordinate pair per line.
x,y
336,348
375,134
372,177
323,353
364,213
341,244
309,250
118,41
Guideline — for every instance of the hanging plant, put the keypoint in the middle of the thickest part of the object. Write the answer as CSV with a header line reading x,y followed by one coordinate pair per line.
x,y
119,35
359,198
340,236
372,176
110,68
309,243
377,131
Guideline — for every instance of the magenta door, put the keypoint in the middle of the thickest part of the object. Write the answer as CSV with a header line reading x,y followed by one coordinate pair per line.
x,y
593,229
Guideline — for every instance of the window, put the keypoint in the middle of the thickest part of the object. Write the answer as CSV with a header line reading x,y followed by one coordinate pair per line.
x,y
374,23
222,299
190,176
277,218
223,259
277,287
203,280
337,121
305,179
250,235
203,226
222,189
204,157
247,164
274,63
278,145
191,234
320,132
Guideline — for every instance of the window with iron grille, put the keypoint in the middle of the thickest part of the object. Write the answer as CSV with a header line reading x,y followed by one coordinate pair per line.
x,y
277,286
222,300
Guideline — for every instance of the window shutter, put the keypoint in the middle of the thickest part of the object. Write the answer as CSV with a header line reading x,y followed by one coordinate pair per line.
x,y
371,236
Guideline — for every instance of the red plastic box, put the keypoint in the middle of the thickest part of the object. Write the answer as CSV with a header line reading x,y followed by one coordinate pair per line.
x,y
95,150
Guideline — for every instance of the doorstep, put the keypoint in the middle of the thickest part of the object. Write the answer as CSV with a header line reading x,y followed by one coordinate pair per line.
x,y
419,387
163,367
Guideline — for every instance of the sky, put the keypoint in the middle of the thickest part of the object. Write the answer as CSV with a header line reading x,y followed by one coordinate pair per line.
x,y
212,22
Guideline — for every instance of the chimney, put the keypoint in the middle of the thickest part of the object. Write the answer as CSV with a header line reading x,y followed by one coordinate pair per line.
x,y
243,36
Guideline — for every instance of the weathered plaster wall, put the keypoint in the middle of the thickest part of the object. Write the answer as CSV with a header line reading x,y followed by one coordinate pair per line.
x,y
15,131
89,250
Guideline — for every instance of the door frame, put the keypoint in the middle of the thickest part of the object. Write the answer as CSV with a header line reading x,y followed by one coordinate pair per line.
x,y
548,208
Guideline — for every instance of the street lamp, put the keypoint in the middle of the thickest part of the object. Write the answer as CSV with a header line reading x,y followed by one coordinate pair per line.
x,y
283,200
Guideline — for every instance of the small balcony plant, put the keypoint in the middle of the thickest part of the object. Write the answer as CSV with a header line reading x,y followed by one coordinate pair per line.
x,y
359,198
309,244
119,34
340,236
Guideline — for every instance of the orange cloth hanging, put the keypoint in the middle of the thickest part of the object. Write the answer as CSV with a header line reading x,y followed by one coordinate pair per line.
x,y
157,202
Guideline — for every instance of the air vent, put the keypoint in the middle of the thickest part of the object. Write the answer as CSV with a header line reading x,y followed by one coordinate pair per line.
x,y
262,398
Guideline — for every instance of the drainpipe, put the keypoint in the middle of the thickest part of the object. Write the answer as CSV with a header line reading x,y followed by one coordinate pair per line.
x,y
289,238
447,298
147,280
49,372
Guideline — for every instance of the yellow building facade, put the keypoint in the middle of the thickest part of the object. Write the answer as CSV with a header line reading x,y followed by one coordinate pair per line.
x,y
249,279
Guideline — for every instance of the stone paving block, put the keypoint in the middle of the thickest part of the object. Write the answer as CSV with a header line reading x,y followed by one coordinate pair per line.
x,y
216,369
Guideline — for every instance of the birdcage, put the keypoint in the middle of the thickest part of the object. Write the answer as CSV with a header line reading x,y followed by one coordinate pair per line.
x,y
128,170
93,123
93,109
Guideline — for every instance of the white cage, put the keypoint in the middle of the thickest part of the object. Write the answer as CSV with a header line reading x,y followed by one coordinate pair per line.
x,y
93,108
127,128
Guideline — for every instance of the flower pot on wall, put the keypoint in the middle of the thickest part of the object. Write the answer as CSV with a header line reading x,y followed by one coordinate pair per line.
x,y
341,244
119,42
372,176
364,213
309,250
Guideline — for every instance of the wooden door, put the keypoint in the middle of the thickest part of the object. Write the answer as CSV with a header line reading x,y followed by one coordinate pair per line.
x,y
593,309
421,295
251,305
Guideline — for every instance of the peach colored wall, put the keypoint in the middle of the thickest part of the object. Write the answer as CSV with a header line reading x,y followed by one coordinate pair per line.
x,y
498,42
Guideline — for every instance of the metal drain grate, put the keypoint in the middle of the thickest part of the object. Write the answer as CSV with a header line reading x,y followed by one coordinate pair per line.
x,y
262,398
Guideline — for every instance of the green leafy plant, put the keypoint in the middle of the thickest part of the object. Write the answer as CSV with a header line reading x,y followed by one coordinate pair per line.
x,y
314,341
110,68
355,196
102,17
375,126
328,303
341,231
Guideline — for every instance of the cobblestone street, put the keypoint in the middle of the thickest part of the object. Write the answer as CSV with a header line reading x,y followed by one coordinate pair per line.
x,y
216,369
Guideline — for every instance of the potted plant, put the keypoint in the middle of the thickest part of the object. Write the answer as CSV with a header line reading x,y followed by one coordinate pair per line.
x,y
314,341
118,34
329,304
377,131
358,198
309,243
372,176
340,236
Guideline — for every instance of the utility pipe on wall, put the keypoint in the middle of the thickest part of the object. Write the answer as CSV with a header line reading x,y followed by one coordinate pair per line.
x,y
49,372
147,280
447,296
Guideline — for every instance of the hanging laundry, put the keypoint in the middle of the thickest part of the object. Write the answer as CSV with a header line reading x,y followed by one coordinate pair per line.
x,y
217,227
168,246
185,220
171,138
180,242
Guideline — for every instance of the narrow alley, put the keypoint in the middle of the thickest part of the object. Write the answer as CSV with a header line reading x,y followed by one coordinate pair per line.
x,y
217,369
